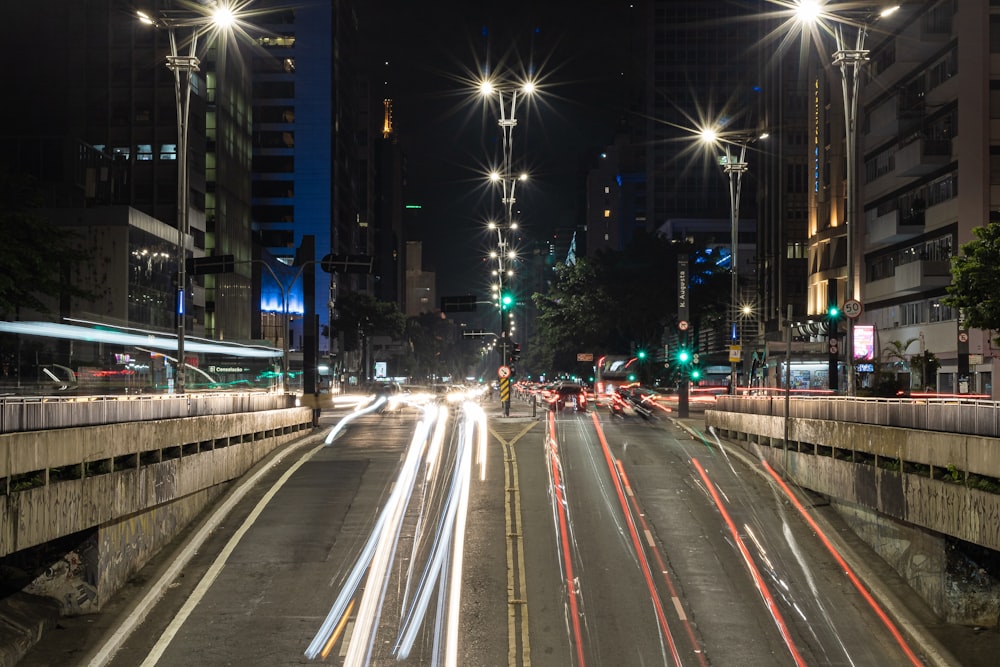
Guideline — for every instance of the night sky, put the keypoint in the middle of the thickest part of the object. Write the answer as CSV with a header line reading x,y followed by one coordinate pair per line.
x,y
435,51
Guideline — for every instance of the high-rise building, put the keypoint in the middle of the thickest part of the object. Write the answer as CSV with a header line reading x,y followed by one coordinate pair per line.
x,y
96,124
311,146
926,171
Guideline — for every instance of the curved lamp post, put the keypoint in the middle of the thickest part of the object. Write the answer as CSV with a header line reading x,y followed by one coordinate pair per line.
x,y
221,17
850,60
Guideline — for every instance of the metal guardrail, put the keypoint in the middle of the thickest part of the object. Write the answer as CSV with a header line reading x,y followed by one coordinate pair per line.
x,y
33,413
947,415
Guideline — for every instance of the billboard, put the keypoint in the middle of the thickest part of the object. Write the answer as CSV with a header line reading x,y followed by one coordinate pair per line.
x,y
864,341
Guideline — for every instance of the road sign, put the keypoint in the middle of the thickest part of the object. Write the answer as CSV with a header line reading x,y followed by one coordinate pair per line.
x,y
503,372
683,325
852,308
735,353
203,266
584,356
465,303
347,263
963,337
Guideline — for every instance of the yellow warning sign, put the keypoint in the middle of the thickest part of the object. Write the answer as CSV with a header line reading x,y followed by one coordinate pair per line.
x,y
504,389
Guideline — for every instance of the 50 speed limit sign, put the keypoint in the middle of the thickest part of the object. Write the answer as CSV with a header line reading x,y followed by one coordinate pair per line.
x,y
852,308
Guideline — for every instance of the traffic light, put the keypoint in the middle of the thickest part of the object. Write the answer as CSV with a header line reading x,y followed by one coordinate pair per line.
x,y
641,354
695,374
833,312
506,301
683,356
515,352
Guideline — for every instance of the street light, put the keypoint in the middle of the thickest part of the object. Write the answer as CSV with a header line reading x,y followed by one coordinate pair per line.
x,y
221,17
507,179
734,166
850,61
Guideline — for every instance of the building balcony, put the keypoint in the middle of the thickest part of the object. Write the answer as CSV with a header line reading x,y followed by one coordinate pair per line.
x,y
910,278
894,228
922,156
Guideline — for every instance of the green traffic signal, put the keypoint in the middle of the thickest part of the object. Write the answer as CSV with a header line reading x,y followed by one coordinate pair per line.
x,y
695,373
683,356
506,301
833,312
641,354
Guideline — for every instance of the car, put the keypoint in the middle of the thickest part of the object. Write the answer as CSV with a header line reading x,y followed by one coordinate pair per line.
x,y
567,395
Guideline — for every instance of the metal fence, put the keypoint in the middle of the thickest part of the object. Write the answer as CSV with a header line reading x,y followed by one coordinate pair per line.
x,y
949,415
40,412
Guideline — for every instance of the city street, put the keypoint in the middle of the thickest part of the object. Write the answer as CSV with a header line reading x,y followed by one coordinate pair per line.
x,y
589,539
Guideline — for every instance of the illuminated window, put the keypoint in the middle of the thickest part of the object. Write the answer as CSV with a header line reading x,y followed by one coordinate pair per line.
x,y
168,151
607,213
144,152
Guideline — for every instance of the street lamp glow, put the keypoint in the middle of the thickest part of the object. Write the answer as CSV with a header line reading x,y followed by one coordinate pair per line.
x,y
709,136
809,11
494,176
513,225
486,88
223,16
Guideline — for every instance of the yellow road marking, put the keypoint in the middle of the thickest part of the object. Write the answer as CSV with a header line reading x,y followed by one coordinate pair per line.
x,y
517,599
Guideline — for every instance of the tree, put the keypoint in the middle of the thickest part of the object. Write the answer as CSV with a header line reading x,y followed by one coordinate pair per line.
x,y
35,256
895,352
975,276
436,347
616,301
925,366
362,316
896,361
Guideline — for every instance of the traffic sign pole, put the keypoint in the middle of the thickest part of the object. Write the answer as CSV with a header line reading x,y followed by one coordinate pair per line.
x,y
504,374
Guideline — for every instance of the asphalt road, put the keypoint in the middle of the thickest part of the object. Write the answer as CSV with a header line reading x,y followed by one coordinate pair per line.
x,y
578,539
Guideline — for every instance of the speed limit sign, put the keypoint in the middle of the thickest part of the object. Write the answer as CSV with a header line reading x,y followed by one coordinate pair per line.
x,y
852,308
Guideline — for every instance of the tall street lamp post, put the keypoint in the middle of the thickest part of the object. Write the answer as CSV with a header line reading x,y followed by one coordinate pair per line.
x,y
734,165
507,180
184,67
850,60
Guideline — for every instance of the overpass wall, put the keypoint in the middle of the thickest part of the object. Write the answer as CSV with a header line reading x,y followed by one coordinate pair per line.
x,y
902,490
126,489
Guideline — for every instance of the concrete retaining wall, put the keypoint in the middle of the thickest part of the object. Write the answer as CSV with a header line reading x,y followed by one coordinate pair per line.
x,y
125,489
901,490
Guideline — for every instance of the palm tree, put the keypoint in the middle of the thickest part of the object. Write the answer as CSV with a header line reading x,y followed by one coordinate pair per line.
x,y
895,354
